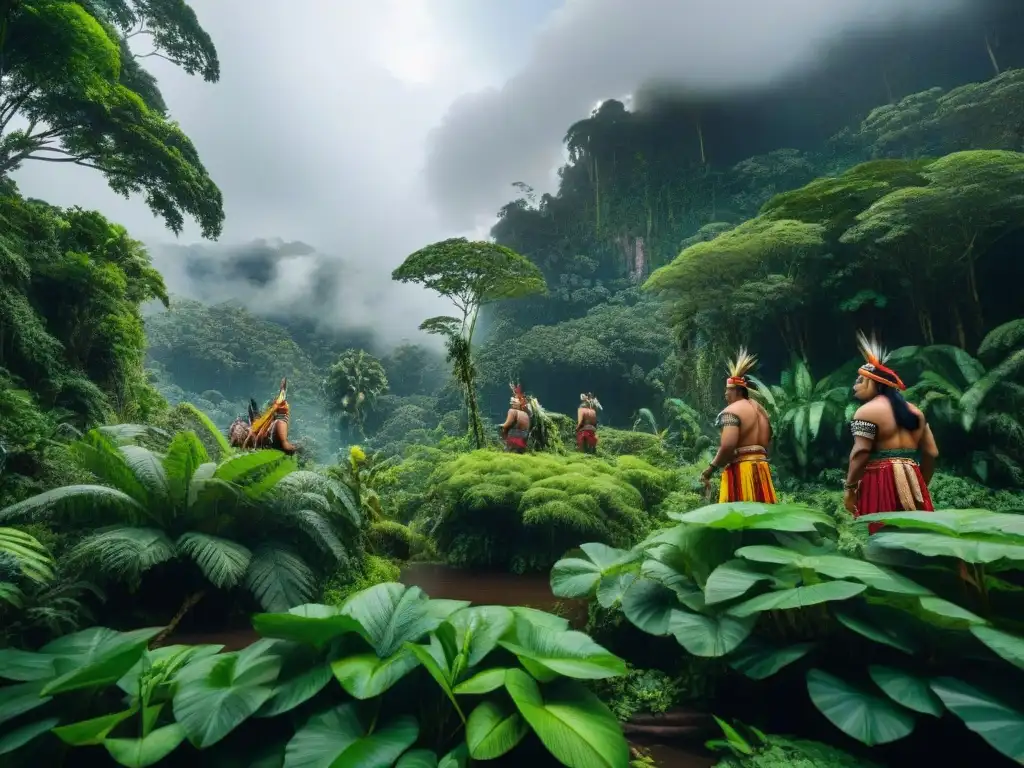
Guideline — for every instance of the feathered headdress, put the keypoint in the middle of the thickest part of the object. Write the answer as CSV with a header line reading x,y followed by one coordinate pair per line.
x,y
874,368
279,404
518,399
588,400
739,367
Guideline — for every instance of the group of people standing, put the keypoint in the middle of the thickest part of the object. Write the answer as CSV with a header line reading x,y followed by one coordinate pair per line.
x,y
891,462
521,413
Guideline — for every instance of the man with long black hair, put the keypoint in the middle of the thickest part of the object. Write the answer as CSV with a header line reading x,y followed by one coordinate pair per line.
x,y
894,452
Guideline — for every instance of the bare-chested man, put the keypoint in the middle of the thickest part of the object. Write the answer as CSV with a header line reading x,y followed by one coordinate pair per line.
x,y
746,435
516,429
586,423
894,452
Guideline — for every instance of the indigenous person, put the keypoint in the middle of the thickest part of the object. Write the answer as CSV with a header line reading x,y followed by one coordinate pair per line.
x,y
266,430
516,429
586,423
746,435
894,452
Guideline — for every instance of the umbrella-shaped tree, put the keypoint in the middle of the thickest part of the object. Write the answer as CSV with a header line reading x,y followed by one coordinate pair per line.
x,y
471,275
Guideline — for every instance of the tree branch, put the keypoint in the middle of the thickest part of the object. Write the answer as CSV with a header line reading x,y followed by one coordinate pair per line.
x,y
71,159
152,53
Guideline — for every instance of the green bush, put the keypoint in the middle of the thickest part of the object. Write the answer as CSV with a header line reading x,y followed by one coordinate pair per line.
x,y
795,753
521,513
368,572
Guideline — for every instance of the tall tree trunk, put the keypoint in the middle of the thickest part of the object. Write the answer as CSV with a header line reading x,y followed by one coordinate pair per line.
x,y
700,138
186,606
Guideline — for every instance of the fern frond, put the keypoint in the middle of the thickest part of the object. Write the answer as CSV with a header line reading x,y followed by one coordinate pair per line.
x,y
222,562
279,579
242,466
100,455
78,502
125,552
33,558
215,434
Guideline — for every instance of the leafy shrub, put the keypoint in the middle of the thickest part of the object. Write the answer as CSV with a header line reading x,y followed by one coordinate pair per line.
x,y
780,752
313,691
621,442
764,587
521,512
368,572
639,691
956,492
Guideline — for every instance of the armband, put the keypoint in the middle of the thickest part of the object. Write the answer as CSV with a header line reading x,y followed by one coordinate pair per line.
x,y
860,428
727,420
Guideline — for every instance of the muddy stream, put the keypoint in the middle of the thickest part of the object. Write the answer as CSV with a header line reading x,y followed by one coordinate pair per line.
x,y
485,588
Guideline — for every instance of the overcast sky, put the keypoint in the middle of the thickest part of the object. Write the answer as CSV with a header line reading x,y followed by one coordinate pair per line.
x,y
369,128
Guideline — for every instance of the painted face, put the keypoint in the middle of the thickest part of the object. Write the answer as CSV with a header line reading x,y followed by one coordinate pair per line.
x,y
864,388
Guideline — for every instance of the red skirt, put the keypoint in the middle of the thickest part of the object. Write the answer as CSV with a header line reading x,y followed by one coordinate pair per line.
x,y
515,444
586,439
892,485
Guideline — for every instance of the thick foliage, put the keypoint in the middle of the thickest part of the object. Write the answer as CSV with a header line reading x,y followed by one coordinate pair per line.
x,y
521,512
469,683
764,587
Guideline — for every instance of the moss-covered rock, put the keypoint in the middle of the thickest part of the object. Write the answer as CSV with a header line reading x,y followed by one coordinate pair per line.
x,y
521,512
397,541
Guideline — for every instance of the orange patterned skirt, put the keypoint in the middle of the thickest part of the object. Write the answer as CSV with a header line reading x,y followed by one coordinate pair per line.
x,y
748,477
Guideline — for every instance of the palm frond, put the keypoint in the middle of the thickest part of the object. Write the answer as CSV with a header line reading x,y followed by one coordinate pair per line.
x,y
80,502
279,579
209,426
315,525
148,469
33,559
184,456
222,562
241,467
258,489
122,434
973,399
125,552
100,455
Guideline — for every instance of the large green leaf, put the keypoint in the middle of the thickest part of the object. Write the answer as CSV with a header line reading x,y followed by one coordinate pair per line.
x,y
998,724
25,666
16,739
910,691
798,597
867,718
391,615
493,729
649,606
567,652
478,630
99,660
574,725
577,577
1010,647
710,635
338,739
222,561
483,682
749,515
303,675
879,632
220,692
310,623
943,613
129,682
148,750
366,675
16,700
93,731
939,545
758,661
417,758
836,567
732,579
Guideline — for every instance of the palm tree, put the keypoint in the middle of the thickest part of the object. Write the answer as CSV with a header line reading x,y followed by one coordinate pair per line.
x,y
797,407
979,399
233,523
22,558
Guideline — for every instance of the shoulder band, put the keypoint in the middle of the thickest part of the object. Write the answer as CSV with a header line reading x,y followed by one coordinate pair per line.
x,y
861,428
726,419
